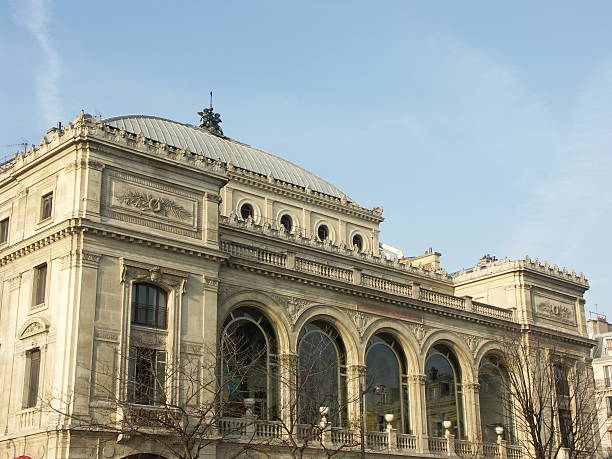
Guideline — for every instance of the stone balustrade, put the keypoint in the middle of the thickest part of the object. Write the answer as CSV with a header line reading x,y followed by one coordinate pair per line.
x,y
336,273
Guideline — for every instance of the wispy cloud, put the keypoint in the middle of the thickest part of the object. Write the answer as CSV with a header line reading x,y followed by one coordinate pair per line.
x,y
34,16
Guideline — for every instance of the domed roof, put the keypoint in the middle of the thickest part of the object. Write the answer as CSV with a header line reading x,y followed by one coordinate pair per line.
x,y
244,156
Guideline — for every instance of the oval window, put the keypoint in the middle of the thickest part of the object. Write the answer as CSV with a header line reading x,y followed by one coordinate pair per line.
x,y
246,211
358,242
323,232
286,222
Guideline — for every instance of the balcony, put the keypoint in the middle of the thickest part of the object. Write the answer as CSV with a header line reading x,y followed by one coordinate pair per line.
x,y
353,276
388,442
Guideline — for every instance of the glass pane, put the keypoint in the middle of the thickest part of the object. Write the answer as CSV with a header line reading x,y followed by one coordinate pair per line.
x,y
383,385
440,395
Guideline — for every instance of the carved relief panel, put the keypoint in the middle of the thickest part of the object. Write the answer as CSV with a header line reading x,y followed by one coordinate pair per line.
x,y
555,309
140,200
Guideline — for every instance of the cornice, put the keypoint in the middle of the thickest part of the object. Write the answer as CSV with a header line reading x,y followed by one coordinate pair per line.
x,y
558,334
364,292
506,265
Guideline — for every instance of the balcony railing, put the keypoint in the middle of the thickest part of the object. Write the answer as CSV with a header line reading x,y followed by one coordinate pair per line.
x,y
274,433
354,276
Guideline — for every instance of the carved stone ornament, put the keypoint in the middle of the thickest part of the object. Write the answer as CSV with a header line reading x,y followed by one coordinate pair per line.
x,y
361,321
141,272
211,283
419,331
155,204
291,305
555,310
33,327
106,335
473,342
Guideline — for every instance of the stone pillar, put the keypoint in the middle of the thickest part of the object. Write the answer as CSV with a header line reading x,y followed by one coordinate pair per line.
x,y
287,397
471,409
580,317
342,236
93,188
306,219
210,223
356,388
418,414
268,213
416,290
228,201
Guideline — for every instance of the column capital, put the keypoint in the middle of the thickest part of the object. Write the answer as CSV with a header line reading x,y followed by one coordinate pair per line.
x,y
417,378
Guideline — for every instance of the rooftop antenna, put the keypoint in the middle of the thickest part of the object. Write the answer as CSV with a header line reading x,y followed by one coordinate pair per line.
x,y
23,145
211,100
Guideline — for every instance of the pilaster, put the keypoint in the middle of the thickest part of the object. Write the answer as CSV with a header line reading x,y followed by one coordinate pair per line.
x,y
418,414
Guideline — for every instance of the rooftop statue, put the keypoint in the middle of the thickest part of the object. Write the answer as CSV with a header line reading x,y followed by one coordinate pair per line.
x,y
210,121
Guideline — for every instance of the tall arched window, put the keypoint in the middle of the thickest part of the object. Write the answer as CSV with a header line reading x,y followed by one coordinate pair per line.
x,y
443,391
495,404
386,384
249,364
321,380
149,305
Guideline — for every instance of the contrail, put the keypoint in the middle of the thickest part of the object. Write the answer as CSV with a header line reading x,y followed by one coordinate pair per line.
x,y
33,15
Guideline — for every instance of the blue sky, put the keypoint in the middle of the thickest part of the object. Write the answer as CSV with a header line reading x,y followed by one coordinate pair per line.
x,y
481,127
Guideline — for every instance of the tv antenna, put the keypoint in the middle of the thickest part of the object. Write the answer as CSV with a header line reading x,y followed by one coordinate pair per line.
x,y
211,100
23,145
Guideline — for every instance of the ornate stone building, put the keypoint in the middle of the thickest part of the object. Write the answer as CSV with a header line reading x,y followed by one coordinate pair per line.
x,y
143,237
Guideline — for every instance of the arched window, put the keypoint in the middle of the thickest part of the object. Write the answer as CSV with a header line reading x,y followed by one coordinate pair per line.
x,y
149,305
386,384
287,222
495,403
443,391
323,232
321,380
246,211
249,364
358,242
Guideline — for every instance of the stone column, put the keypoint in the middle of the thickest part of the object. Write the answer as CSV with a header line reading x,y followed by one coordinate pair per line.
x,y
342,236
287,397
210,224
306,223
93,188
471,409
356,388
418,414
228,201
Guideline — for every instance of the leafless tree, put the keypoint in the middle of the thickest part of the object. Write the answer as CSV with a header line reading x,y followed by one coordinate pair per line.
x,y
551,393
177,404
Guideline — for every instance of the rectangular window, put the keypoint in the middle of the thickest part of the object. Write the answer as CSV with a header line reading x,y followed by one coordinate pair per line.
x,y
608,375
32,378
147,376
40,284
46,206
4,227
609,405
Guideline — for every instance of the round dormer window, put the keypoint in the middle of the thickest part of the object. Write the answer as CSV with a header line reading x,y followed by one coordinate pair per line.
x,y
246,211
287,222
323,232
358,242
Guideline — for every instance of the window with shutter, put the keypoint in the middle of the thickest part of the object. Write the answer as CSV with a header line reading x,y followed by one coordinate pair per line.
x,y
32,378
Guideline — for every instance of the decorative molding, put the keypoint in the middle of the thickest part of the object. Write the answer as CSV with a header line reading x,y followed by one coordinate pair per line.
x,y
211,283
33,327
95,165
552,309
419,331
472,341
292,306
14,281
417,378
361,320
143,272
103,334
148,337
191,348
37,244
155,204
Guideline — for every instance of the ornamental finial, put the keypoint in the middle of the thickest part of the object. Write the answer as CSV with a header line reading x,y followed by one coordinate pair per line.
x,y
210,120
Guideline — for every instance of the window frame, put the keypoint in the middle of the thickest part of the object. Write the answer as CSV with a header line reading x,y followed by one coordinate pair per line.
x,y
45,199
32,379
156,371
4,230
39,293
159,311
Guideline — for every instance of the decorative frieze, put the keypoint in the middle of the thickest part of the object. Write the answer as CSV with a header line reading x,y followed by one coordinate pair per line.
x,y
191,348
14,281
33,327
211,283
144,272
151,203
